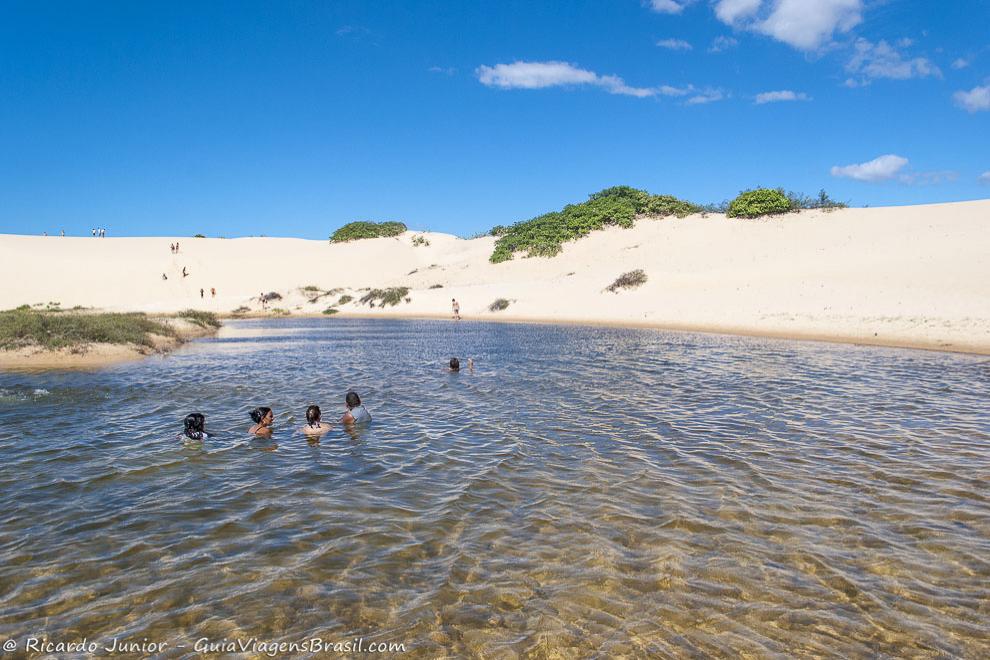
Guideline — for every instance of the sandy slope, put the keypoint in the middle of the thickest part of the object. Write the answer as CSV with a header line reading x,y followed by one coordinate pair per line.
x,y
916,276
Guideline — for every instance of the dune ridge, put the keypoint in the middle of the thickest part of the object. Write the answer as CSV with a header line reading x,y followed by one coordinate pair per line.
x,y
902,276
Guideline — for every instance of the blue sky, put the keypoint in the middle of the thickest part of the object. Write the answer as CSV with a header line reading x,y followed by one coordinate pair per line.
x,y
292,118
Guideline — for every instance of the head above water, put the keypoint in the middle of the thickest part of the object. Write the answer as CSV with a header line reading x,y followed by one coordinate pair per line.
x,y
193,424
260,413
352,399
313,415
455,364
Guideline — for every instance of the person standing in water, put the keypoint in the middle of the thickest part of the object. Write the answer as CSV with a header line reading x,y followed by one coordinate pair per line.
x,y
356,413
314,426
455,365
263,418
455,307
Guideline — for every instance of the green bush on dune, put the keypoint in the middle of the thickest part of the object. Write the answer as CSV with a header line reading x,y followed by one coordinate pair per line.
x,y
760,202
353,231
200,318
544,236
391,296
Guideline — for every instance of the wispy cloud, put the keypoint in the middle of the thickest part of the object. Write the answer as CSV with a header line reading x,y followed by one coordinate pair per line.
x,y
669,6
960,63
975,100
674,44
803,24
881,60
779,96
541,75
443,70
882,168
722,43
984,178
708,96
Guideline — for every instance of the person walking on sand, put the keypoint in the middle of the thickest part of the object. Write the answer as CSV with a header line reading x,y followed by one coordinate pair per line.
x,y
201,293
171,248
177,247
164,277
213,292
62,234
455,307
94,232
184,273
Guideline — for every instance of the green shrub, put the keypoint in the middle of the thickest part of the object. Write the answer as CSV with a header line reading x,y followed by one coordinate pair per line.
x,y
437,286
420,241
344,299
630,280
199,236
311,288
498,305
391,297
544,235
202,319
822,201
759,202
280,311
330,311
241,310
26,327
357,230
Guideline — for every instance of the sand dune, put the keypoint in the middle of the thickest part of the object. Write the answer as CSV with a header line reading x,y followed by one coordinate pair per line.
x,y
915,276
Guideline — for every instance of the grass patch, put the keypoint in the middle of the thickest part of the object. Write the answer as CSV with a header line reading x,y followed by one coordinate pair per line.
x,y
330,311
498,305
202,319
354,231
544,236
26,327
437,286
344,299
391,296
630,280
311,288
279,311
420,241
240,311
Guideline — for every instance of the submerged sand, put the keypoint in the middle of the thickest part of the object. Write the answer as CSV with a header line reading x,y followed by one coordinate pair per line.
x,y
905,276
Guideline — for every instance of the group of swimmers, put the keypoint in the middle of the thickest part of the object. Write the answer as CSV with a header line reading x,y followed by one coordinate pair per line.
x,y
264,418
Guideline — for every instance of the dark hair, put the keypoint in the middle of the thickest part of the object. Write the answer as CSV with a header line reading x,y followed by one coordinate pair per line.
x,y
352,399
455,364
313,415
193,426
260,413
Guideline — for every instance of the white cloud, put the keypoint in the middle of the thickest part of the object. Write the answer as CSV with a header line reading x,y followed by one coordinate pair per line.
x,y
709,96
540,75
782,95
960,63
974,100
674,44
730,11
879,169
803,24
881,60
722,43
669,6
984,178
445,70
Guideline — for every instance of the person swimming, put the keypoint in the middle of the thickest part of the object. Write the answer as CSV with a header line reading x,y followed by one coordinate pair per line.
x,y
455,365
356,413
193,427
313,424
263,419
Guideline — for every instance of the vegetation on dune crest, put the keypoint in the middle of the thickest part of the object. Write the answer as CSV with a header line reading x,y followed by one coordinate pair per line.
x,y
200,318
774,201
544,235
630,280
498,305
26,327
353,231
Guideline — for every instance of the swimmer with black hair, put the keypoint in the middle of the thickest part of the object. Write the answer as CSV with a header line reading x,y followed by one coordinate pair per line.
x,y
356,413
455,365
193,427
263,418
313,424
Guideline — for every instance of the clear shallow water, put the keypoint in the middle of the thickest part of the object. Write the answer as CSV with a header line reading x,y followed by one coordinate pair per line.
x,y
587,491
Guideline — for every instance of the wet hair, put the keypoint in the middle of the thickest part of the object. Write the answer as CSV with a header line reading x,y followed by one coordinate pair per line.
x,y
260,413
455,364
313,415
352,399
193,426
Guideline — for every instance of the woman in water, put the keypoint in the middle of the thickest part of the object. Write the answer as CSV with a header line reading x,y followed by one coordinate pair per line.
x,y
194,423
313,424
455,365
263,419
356,412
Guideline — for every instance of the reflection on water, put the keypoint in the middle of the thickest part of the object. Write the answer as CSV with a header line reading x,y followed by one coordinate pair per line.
x,y
585,491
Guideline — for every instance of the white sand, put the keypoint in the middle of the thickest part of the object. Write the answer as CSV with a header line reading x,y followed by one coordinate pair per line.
x,y
912,276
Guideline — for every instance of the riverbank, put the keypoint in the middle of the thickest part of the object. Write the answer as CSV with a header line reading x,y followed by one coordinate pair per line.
x,y
73,347
915,276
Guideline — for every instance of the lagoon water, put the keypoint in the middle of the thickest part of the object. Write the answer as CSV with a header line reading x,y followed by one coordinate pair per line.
x,y
586,491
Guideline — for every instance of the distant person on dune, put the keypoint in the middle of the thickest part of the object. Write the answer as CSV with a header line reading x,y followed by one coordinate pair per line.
x,y
263,418
177,247
201,293
313,424
356,413
455,307
213,292
171,248
164,276
184,273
